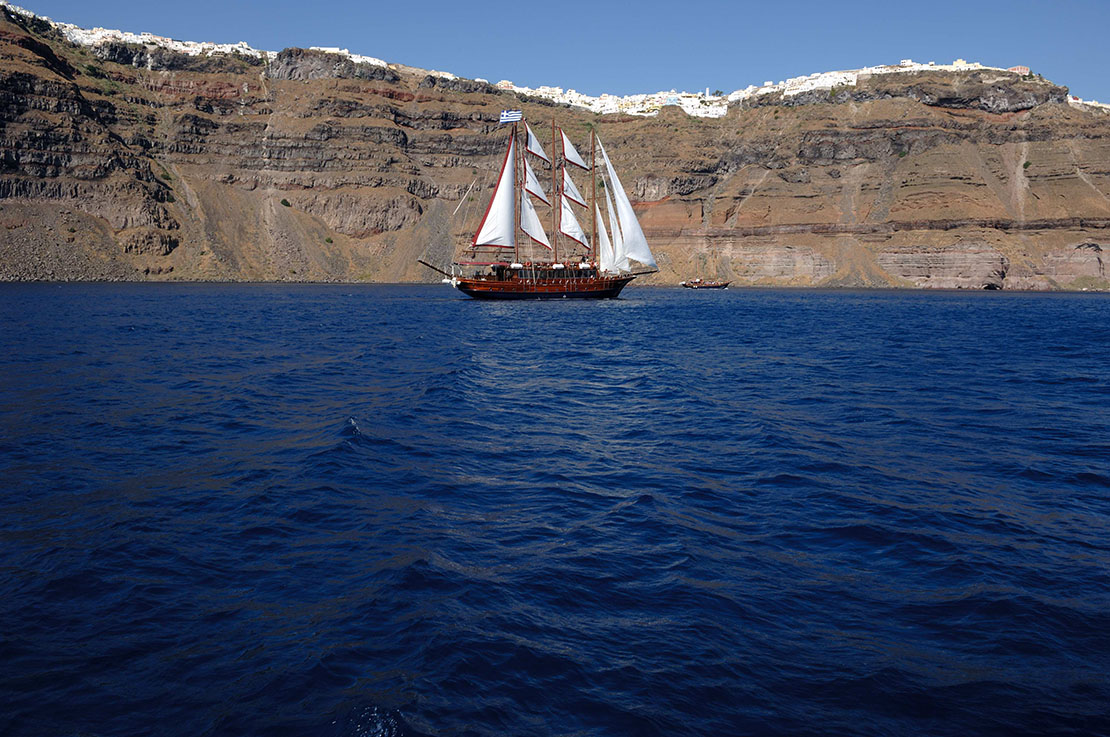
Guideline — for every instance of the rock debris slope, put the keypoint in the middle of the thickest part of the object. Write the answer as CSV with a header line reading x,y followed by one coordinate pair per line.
x,y
125,161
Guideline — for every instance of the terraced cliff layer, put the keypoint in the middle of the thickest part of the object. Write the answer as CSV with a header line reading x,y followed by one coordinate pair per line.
x,y
126,162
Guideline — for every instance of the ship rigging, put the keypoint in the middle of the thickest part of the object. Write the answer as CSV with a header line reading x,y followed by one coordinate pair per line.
x,y
498,265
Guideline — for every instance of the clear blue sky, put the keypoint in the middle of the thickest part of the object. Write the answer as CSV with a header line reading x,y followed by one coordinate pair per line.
x,y
646,46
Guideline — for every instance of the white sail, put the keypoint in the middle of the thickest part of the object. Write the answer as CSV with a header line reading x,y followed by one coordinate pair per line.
x,y
570,190
635,244
620,258
604,247
534,146
570,153
568,225
532,184
530,222
497,226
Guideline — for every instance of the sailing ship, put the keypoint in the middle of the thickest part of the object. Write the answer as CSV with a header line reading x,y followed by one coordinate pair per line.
x,y
498,265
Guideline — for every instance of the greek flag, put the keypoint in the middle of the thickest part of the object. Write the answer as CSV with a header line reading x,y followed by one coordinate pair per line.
x,y
511,116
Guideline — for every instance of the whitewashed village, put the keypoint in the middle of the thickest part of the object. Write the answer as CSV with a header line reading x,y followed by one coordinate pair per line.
x,y
707,105
697,104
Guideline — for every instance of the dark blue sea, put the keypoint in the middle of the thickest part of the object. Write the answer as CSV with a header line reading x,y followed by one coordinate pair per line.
x,y
390,511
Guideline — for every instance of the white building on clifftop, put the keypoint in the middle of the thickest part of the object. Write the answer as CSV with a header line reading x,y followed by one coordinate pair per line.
x,y
697,104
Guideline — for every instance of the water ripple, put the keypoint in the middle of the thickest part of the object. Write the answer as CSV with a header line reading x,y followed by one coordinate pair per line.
x,y
388,511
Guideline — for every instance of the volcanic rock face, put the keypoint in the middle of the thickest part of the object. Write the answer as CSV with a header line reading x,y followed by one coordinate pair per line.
x,y
988,90
959,266
1082,263
306,64
126,161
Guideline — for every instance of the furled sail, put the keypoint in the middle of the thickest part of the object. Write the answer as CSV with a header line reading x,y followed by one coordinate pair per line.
x,y
570,190
604,247
497,227
534,146
570,153
530,222
620,258
568,225
532,184
635,244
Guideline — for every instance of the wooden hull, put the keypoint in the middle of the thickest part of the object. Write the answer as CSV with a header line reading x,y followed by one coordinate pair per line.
x,y
590,287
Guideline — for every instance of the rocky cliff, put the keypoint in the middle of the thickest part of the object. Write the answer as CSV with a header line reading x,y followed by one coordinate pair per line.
x,y
132,162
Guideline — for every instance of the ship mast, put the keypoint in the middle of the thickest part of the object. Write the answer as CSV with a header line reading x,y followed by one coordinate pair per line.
x,y
516,203
497,230
554,199
591,253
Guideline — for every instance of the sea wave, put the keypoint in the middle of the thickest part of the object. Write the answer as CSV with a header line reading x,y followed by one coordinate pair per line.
x,y
388,511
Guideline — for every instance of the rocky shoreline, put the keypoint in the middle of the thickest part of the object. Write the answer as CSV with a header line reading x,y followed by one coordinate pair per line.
x,y
134,163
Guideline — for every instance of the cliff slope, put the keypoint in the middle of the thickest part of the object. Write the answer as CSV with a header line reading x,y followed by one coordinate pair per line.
x,y
130,162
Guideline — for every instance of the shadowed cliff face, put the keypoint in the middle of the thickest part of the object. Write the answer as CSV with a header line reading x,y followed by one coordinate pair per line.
x,y
131,162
